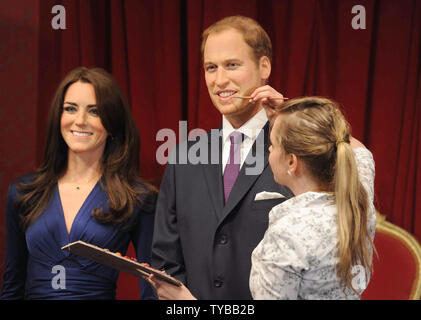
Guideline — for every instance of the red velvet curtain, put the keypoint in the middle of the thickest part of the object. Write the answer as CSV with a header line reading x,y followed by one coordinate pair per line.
x,y
153,50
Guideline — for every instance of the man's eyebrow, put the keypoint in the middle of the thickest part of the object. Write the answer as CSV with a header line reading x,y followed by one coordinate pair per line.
x,y
232,59
225,61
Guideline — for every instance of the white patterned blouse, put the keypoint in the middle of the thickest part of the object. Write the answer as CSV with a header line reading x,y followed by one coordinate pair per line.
x,y
297,257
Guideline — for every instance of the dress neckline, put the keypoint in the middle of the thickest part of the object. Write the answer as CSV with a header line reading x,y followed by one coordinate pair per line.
x,y
81,209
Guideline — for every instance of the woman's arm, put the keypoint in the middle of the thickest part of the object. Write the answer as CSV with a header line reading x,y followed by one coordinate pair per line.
x,y
142,242
16,252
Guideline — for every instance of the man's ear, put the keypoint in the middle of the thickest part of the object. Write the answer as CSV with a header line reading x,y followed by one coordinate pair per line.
x,y
265,67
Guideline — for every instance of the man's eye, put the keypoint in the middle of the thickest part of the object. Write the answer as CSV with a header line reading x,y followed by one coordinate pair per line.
x,y
210,68
232,65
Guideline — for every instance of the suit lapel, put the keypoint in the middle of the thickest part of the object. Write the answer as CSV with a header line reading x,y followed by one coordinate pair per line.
x,y
245,181
213,177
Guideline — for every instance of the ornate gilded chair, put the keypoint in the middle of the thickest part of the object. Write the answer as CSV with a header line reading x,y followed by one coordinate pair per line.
x,y
397,268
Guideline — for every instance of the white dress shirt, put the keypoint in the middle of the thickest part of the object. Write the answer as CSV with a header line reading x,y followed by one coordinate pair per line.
x,y
251,129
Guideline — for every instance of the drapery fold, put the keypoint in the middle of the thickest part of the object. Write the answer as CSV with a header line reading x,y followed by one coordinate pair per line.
x,y
153,50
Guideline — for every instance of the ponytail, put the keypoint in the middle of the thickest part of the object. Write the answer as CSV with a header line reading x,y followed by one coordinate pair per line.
x,y
352,207
317,132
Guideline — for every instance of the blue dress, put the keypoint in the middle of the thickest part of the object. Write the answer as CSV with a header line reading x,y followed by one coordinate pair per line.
x,y
34,258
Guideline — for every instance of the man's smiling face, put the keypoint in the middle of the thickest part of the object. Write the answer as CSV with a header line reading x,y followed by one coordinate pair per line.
x,y
231,70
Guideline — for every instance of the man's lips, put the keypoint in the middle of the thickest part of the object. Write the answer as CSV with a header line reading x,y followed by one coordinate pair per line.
x,y
225,95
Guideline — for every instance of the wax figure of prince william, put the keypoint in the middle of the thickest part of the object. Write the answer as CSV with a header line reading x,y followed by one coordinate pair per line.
x,y
208,219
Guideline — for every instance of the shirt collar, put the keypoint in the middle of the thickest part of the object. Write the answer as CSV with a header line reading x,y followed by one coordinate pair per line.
x,y
250,129
308,199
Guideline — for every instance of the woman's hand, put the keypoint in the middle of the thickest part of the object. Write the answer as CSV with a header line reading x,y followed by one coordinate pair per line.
x,y
355,143
270,99
167,291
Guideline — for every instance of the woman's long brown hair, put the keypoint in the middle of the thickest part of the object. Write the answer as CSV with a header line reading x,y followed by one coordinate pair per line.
x,y
120,162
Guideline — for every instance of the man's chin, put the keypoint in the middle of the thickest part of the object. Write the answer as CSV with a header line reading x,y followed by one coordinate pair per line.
x,y
230,109
227,111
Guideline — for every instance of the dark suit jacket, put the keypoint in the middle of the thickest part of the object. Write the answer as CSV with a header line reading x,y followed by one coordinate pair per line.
x,y
202,241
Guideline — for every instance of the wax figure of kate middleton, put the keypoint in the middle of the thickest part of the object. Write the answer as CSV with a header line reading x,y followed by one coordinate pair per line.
x,y
88,188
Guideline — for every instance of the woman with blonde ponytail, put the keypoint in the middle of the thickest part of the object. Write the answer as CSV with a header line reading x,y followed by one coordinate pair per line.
x,y
319,243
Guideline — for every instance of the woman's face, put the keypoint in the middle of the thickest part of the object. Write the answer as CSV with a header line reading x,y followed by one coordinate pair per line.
x,y
80,124
277,158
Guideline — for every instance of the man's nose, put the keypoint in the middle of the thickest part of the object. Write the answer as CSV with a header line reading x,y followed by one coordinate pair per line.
x,y
221,78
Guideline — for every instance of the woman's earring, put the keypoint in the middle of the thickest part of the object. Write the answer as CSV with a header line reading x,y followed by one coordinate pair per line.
x,y
289,173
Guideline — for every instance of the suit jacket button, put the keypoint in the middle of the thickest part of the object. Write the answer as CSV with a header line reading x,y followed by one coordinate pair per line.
x,y
223,239
217,283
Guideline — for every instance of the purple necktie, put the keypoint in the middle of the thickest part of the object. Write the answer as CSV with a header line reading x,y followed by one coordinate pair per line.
x,y
233,166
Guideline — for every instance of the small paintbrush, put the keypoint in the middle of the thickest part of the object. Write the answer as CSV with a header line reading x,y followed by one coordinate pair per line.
x,y
249,97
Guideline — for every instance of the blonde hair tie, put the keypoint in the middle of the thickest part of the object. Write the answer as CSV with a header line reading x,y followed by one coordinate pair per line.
x,y
339,141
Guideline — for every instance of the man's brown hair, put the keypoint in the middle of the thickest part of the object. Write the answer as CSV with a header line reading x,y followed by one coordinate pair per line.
x,y
253,33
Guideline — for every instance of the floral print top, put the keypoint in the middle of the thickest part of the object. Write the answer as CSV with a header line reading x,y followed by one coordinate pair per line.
x,y
298,255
